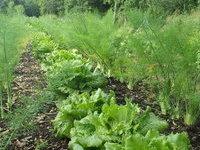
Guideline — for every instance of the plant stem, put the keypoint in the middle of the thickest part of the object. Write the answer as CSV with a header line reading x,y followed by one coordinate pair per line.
x,y
1,99
115,12
7,82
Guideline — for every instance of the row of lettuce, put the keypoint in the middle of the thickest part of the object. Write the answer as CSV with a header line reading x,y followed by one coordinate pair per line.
x,y
88,116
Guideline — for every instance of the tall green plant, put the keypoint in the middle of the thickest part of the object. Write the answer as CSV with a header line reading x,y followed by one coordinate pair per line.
x,y
169,56
6,68
12,29
1,100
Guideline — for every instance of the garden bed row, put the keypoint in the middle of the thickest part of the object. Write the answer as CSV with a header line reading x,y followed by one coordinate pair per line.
x,y
90,117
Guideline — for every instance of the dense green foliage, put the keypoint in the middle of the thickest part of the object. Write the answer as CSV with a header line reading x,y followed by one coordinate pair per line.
x,y
80,43
56,7
31,8
43,45
67,76
59,7
86,5
163,53
77,107
97,122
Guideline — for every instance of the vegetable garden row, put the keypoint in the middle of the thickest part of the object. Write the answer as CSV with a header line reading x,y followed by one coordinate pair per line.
x,y
92,118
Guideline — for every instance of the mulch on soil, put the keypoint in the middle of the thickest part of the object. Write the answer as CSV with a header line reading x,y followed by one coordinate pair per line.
x,y
43,135
28,77
144,97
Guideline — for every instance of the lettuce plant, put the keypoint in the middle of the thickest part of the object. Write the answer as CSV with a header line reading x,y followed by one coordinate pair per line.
x,y
76,107
153,141
62,55
149,121
43,44
74,75
117,127
97,122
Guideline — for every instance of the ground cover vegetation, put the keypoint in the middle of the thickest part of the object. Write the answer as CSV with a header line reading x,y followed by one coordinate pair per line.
x,y
80,45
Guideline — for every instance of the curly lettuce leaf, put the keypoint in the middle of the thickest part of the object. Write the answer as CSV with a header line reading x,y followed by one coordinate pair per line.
x,y
73,75
63,124
154,141
136,142
149,121
78,106
179,141
113,146
118,118
97,122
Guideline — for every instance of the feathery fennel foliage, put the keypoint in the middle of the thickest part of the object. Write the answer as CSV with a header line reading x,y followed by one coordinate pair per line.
x,y
12,29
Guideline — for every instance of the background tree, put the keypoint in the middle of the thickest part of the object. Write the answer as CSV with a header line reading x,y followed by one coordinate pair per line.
x,y
86,5
56,7
3,5
31,8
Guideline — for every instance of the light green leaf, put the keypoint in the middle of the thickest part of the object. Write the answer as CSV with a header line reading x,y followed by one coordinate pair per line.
x,y
113,146
148,121
136,142
91,141
179,141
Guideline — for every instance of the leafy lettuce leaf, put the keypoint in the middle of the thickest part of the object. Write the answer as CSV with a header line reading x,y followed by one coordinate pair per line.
x,y
154,141
113,146
117,127
97,122
149,121
74,75
78,106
